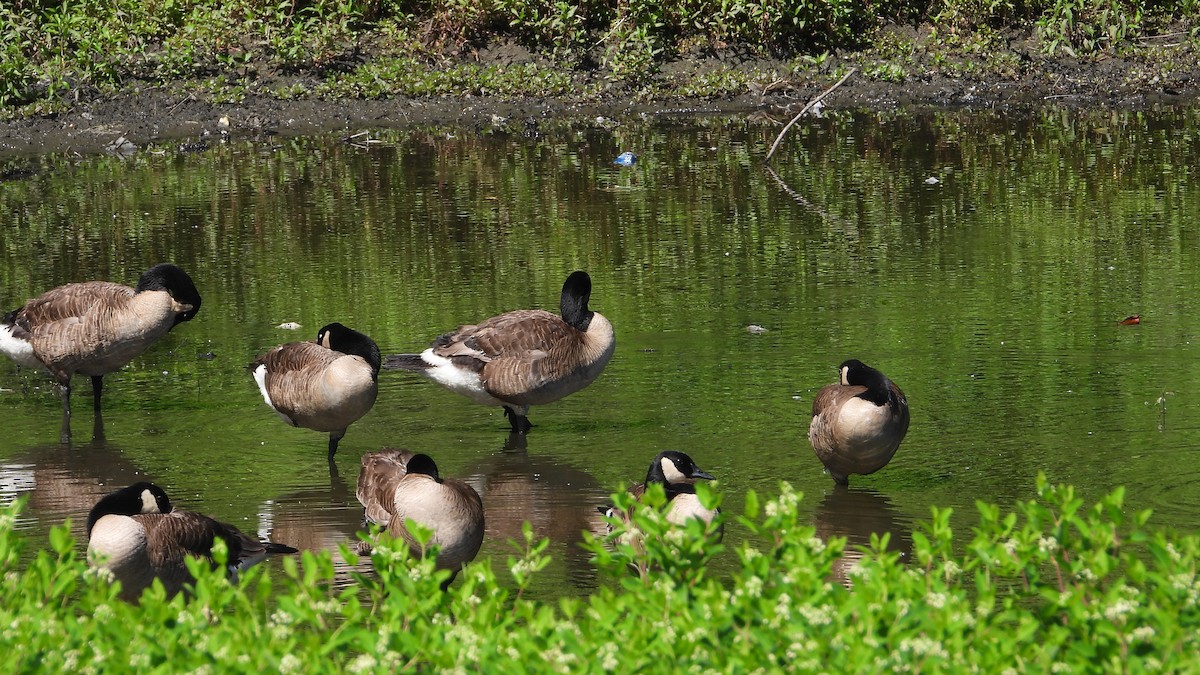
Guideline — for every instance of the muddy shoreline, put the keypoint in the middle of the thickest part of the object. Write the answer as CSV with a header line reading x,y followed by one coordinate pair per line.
x,y
159,116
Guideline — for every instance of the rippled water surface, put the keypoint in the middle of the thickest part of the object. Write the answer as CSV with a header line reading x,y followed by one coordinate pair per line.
x,y
981,261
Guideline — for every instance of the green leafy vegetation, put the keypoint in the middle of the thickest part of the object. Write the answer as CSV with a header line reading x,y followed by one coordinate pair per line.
x,y
1054,586
57,53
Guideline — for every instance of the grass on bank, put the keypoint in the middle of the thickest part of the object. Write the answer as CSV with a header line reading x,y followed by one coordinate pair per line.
x,y
1052,587
55,53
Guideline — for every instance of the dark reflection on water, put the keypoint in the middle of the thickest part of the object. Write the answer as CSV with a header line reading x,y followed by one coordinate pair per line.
x,y
982,260
856,513
558,500
317,518
65,481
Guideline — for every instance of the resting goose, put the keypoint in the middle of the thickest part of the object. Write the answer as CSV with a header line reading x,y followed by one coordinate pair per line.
x,y
324,385
677,473
857,423
136,535
96,327
397,485
522,358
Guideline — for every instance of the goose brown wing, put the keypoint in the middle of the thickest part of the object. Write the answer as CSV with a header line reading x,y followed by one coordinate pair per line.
x,y
833,396
822,428
506,335
172,536
70,301
295,356
381,472
525,351
290,372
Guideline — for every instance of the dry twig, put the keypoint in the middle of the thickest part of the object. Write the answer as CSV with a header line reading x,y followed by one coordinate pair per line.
x,y
806,109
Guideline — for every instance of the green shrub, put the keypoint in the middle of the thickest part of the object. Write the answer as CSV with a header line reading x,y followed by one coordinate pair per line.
x,y
1077,27
1051,587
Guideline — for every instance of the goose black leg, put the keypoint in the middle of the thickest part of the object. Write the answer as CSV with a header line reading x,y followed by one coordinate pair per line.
x,y
64,435
519,423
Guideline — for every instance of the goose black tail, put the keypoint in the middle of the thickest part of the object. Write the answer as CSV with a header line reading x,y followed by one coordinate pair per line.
x,y
410,362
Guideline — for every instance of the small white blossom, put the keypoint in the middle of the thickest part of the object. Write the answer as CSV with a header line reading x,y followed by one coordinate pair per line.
x,y
1142,633
608,656
936,600
290,663
363,663
924,646
1117,611
281,617
817,616
950,569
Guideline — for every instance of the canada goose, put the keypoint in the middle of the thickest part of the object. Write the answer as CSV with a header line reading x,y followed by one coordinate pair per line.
x,y
324,385
96,327
136,535
857,423
677,473
397,485
522,358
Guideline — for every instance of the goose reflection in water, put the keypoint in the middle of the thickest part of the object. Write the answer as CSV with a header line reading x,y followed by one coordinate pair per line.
x,y
64,481
557,499
856,514
318,518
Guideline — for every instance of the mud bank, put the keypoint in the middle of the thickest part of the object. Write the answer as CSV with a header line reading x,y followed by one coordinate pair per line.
x,y
159,116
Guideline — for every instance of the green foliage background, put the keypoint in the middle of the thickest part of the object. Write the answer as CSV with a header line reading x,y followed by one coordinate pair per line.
x,y
55,52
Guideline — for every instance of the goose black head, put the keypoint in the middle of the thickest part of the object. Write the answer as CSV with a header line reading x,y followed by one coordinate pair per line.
x,y
857,373
576,292
339,338
138,498
424,464
675,468
173,280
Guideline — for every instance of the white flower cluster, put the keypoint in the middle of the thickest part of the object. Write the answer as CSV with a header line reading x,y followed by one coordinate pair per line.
x,y
935,600
820,615
607,654
924,646
290,663
468,640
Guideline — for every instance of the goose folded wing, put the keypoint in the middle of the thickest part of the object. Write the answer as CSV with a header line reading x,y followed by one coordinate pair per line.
x,y
70,302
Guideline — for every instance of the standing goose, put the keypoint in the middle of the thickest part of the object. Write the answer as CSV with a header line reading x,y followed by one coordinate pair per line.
x,y
397,485
324,385
857,423
96,327
136,535
677,473
521,358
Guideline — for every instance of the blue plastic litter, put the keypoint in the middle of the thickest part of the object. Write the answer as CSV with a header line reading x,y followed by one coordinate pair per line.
x,y
625,159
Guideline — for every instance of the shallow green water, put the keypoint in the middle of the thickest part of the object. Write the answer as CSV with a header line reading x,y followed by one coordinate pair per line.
x,y
991,295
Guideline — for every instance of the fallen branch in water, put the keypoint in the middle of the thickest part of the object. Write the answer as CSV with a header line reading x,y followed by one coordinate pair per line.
x,y
806,109
800,198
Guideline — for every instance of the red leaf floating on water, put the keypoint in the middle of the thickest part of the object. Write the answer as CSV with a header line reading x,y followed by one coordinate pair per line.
x,y
1131,320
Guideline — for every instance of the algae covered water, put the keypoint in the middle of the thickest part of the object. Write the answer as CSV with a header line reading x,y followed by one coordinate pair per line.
x,y
983,261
